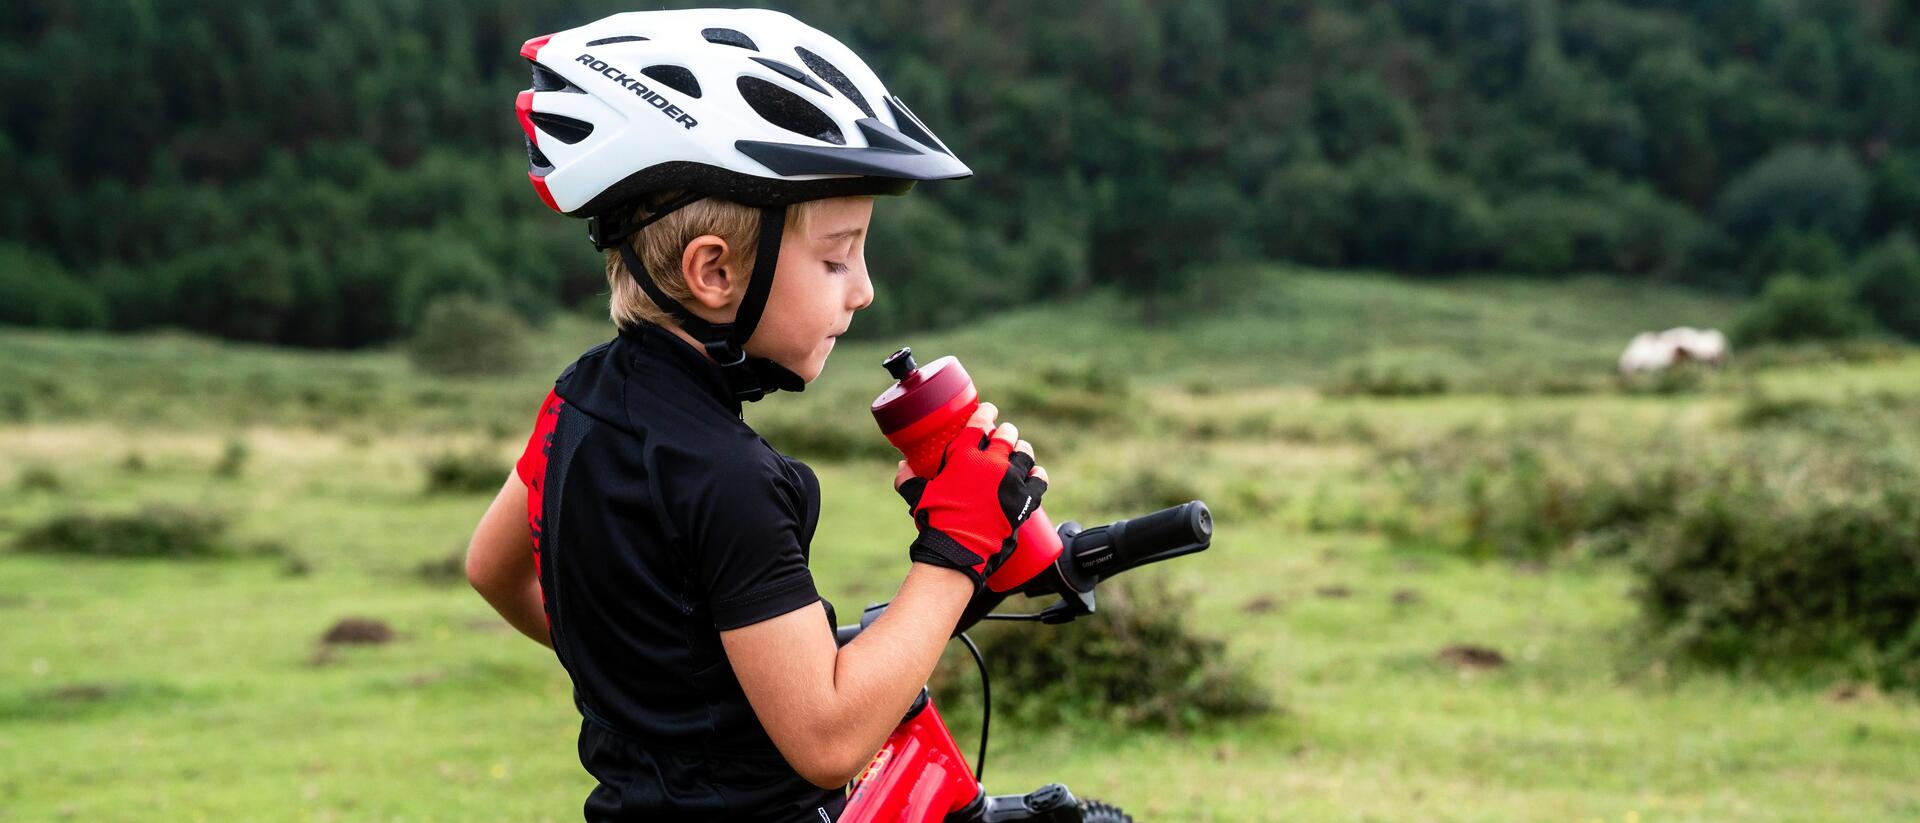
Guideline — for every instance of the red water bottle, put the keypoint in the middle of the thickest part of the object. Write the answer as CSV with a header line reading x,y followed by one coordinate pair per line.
x,y
920,414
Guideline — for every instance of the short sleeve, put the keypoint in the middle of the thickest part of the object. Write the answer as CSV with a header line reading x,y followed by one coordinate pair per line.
x,y
747,526
531,466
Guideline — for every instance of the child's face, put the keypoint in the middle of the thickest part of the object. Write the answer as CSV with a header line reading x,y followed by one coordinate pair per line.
x,y
819,282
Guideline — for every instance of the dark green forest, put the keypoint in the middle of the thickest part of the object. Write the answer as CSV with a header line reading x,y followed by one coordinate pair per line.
x,y
318,172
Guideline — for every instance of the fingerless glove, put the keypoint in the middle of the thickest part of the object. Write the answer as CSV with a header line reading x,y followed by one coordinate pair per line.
x,y
969,510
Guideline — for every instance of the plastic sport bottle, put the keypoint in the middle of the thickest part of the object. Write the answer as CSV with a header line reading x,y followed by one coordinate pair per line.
x,y
920,413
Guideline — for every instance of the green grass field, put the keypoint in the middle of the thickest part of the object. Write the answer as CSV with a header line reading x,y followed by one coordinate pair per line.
x,y
198,690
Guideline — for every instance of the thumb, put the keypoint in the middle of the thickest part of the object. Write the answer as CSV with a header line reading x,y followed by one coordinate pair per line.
x,y
900,475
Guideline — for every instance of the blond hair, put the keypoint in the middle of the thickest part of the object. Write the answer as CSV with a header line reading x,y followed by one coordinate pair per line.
x,y
661,245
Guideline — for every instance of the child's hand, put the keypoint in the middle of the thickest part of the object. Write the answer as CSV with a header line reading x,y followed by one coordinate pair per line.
x,y
968,511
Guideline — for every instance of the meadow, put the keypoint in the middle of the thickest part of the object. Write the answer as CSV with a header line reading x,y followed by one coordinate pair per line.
x,y
1327,420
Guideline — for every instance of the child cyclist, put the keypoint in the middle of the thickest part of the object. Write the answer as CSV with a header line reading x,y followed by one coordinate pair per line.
x,y
727,161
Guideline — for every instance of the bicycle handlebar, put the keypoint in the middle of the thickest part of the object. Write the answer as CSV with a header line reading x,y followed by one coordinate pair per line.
x,y
1104,551
1088,557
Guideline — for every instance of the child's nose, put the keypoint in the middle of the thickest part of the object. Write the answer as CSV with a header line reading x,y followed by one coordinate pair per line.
x,y
862,293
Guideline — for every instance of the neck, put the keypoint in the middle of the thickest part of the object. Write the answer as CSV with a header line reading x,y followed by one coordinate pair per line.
x,y
683,335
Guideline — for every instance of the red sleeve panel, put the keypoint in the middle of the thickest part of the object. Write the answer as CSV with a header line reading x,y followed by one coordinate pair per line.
x,y
532,467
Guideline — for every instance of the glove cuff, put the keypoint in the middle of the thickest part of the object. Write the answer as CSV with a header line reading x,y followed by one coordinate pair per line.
x,y
934,547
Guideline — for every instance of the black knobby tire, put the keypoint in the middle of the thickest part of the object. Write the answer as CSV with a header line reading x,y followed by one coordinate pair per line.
x,y
1094,811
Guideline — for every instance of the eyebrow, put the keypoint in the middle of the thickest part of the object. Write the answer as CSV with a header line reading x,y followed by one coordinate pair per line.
x,y
844,234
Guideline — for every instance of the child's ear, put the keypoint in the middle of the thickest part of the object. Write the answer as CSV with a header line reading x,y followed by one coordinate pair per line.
x,y
709,273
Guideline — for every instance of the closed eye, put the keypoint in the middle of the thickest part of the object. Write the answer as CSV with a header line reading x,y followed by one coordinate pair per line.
x,y
836,268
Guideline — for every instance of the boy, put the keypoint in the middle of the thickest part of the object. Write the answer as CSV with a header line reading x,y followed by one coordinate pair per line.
x,y
647,534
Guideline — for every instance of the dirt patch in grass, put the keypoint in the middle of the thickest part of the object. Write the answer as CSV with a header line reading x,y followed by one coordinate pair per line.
x,y
1471,657
1261,605
358,631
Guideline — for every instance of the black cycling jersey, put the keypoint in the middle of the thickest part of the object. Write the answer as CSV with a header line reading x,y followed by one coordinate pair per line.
x,y
659,520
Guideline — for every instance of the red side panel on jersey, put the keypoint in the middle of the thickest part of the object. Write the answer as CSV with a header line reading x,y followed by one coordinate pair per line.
x,y
532,468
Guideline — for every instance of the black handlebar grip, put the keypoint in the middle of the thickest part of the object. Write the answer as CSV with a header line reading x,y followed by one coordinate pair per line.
x,y
1104,551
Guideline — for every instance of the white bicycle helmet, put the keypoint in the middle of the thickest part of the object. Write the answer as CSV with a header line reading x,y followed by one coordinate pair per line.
x,y
746,105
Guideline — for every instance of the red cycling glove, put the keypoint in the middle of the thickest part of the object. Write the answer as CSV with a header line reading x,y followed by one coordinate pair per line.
x,y
969,511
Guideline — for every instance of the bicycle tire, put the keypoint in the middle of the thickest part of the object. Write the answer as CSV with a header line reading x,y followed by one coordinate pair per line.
x,y
1094,811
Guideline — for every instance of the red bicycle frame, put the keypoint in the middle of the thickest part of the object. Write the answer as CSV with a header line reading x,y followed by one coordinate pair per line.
x,y
919,775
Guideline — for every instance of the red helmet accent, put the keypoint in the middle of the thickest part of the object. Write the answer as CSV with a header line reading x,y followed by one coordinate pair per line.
x,y
532,47
523,106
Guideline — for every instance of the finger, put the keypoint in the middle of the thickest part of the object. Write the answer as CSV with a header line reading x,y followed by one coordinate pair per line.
x,y
1024,447
912,490
983,416
1006,435
900,475
1039,473
1021,463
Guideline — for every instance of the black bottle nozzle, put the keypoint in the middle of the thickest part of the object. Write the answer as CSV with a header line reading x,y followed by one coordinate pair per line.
x,y
900,363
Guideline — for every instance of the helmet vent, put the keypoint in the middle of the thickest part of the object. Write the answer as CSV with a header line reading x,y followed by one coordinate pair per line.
x,y
729,37
546,79
789,111
674,77
564,129
537,162
625,38
793,73
835,78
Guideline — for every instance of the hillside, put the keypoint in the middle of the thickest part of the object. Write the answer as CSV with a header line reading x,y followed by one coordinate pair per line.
x,y
1277,327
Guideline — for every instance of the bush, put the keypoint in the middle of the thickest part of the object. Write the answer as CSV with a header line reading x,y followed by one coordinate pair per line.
x,y
154,531
1134,662
833,437
445,570
1415,219
36,291
1756,573
462,336
1794,309
1075,394
1526,506
1550,234
233,458
39,479
1888,285
1384,380
1149,490
1799,187
470,472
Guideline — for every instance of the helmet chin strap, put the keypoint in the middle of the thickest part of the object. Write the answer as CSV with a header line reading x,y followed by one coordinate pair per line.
x,y
750,378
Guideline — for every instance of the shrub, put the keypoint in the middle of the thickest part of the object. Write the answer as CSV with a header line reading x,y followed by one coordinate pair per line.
x,y
1526,506
1794,308
1547,234
1416,219
1888,285
1388,375
468,472
1077,394
154,531
1756,573
233,458
445,570
827,437
36,291
39,479
462,336
1800,187
1810,252
1134,662
1149,490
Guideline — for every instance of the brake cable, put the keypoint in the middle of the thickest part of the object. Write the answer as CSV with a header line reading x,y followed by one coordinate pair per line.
x,y
986,707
